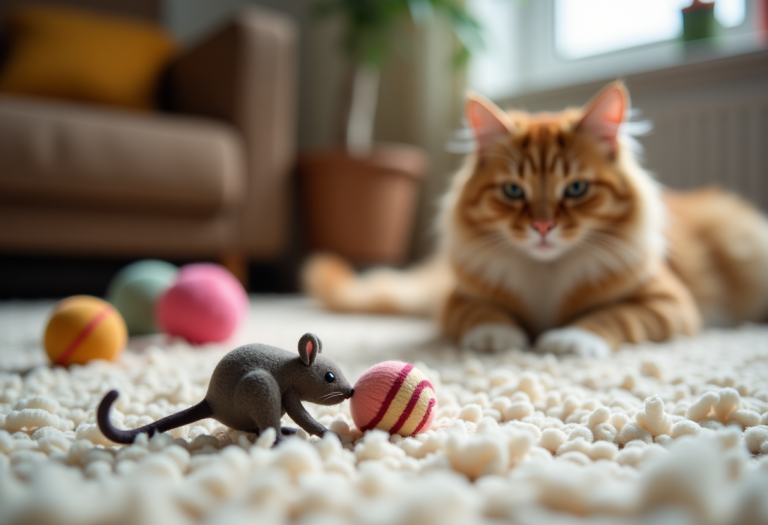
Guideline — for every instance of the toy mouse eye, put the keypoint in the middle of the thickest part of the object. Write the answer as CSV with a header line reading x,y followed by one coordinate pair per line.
x,y
513,191
329,377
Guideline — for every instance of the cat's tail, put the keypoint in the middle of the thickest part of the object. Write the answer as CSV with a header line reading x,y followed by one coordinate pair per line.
x,y
185,417
419,290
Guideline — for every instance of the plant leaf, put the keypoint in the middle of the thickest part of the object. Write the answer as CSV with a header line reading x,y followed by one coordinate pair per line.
x,y
371,25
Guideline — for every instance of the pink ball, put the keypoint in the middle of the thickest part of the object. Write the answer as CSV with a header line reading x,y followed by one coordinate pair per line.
x,y
393,396
206,304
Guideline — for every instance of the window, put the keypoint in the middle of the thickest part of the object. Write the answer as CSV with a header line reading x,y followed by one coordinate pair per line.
x,y
590,27
535,45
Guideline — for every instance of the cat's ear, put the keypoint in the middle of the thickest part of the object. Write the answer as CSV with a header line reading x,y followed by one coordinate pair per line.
x,y
604,114
487,120
309,347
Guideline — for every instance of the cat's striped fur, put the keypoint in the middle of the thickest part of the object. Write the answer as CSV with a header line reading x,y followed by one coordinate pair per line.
x,y
554,235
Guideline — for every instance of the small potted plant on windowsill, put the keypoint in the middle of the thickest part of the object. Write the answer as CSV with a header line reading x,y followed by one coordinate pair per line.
x,y
699,21
359,199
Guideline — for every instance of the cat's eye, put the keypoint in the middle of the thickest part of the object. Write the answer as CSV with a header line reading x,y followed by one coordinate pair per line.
x,y
513,191
329,377
576,189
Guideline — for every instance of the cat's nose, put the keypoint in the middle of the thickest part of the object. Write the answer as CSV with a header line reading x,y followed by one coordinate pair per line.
x,y
543,227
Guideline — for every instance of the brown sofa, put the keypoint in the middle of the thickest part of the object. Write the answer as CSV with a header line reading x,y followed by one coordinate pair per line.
x,y
210,180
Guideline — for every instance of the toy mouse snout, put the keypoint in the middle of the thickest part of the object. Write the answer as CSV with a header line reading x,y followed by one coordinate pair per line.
x,y
350,393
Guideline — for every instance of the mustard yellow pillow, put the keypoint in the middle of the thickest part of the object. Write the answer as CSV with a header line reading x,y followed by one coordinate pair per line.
x,y
78,55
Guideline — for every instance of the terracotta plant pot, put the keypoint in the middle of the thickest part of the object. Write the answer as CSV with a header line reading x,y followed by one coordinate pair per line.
x,y
361,208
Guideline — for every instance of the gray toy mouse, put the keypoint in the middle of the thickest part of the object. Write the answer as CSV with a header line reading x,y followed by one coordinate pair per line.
x,y
252,387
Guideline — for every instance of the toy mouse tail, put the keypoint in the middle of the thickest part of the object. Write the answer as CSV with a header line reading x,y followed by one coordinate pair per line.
x,y
190,415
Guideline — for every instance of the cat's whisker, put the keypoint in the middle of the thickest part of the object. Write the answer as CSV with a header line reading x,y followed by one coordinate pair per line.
x,y
499,156
610,229
485,252
493,250
490,239
627,249
513,150
610,232
486,247
614,244
600,253
605,253
615,250
497,242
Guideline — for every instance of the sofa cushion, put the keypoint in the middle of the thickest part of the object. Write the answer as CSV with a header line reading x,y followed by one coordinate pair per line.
x,y
74,155
75,54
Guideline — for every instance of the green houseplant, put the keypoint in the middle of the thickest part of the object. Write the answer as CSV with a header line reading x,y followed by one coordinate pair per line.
x,y
359,199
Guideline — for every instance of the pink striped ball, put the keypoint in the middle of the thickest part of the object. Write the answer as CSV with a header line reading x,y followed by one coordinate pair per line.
x,y
393,396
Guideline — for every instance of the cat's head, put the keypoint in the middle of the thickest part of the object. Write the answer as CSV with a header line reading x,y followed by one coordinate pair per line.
x,y
547,183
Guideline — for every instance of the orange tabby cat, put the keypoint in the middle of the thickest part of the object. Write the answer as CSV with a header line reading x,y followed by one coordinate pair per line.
x,y
553,233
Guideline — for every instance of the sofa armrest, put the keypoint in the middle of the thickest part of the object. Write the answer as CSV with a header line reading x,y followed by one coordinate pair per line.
x,y
245,74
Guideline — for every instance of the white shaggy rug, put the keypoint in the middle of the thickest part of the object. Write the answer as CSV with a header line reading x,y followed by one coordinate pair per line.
x,y
671,433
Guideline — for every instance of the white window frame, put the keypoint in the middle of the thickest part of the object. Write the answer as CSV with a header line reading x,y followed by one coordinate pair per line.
x,y
533,64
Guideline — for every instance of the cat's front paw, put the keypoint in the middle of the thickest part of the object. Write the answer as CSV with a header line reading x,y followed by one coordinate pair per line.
x,y
573,341
494,338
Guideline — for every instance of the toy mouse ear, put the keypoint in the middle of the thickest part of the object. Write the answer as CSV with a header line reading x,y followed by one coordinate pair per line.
x,y
309,347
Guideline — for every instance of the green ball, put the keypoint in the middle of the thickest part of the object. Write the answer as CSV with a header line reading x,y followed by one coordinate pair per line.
x,y
135,290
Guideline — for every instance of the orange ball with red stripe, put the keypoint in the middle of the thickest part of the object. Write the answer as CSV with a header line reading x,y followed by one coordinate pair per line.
x,y
393,396
82,328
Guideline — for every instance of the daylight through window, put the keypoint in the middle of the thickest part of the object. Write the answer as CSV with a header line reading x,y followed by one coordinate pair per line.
x,y
591,27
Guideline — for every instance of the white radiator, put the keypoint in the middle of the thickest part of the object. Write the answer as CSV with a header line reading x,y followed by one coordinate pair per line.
x,y
722,143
